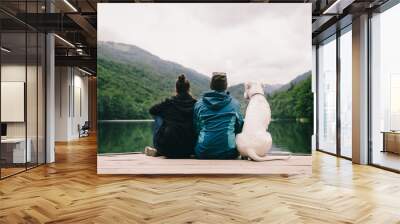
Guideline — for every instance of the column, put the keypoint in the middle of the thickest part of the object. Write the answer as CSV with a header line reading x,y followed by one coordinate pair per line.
x,y
360,90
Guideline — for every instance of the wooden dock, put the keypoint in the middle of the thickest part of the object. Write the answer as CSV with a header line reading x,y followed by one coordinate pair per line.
x,y
142,164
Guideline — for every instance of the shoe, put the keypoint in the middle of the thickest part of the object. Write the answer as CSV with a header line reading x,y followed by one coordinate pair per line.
x,y
150,151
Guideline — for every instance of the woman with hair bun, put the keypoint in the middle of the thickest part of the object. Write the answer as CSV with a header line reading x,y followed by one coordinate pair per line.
x,y
173,134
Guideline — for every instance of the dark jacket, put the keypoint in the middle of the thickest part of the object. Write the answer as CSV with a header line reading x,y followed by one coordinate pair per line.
x,y
217,120
176,137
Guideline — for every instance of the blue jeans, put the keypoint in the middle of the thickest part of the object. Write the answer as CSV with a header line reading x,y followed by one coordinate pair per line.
x,y
168,142
158,121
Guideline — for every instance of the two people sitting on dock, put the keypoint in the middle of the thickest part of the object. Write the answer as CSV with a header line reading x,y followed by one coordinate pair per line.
x,y
205,129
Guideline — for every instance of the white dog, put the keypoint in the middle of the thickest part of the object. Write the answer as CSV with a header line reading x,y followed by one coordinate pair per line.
x,y
255,142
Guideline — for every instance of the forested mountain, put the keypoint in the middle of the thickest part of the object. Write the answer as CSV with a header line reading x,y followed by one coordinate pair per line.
x,y
131,80
293,82
295,102
135,56
288,101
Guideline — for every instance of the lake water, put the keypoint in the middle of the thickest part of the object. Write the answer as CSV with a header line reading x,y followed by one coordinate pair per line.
x,y
128,136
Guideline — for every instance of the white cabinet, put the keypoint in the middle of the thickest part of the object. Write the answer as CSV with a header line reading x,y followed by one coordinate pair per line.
x,y
19,155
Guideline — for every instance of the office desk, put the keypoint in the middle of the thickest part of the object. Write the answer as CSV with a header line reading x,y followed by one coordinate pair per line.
x,y
13,150
391,141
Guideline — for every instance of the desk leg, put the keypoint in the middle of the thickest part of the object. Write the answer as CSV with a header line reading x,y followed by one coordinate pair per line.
x,y
384,143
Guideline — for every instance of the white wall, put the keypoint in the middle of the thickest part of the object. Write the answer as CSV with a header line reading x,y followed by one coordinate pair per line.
x,y
17,73
80,104
62,82
71,94
11,73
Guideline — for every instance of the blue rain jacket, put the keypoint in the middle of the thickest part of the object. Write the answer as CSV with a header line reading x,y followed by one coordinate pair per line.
x,y
217,120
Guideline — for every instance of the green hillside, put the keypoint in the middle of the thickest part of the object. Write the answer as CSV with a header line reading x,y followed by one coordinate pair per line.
x,y
291,101
137,57
128,91
296,102
131,80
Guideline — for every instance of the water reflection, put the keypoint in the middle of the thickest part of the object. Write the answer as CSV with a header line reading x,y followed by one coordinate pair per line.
x,y
291,136
119,137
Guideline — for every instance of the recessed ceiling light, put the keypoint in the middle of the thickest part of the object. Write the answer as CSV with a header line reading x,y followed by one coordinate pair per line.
x,y
337,7
5,50
84,71
70,5
64,40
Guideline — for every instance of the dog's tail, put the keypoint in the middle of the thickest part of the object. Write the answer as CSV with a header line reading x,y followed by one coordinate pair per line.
x,y
253,155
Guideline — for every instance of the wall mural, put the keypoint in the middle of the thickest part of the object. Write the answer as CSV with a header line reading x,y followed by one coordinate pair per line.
x,y
205,81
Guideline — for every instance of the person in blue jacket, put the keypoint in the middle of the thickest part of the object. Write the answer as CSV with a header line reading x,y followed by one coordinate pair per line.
x,y
217,119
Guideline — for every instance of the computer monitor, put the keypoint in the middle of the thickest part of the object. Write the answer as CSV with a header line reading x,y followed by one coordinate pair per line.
x,y
3,129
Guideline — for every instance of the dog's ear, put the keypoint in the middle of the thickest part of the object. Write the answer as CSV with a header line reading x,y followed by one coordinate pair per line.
x,y
263,87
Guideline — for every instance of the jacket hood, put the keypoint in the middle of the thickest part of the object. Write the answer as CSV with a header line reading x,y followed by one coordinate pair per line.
x,y
183,103
216,100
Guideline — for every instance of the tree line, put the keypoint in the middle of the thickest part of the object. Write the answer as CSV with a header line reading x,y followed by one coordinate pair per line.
x,y
128,91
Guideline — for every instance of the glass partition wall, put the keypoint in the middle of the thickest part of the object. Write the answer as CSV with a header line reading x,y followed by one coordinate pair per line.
x,y
13,89
22,107
334,58
345,61
327,95
385,89
334,77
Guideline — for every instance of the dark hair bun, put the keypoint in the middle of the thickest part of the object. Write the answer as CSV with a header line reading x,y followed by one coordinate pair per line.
x,y
182,84
181,78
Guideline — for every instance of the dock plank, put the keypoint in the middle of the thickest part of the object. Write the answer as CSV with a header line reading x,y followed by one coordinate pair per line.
x,y
142,164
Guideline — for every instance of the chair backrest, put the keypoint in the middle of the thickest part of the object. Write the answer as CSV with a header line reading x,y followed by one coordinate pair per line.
x,y
86,125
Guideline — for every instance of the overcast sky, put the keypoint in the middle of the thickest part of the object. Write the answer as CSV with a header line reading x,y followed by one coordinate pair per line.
x,y
263,42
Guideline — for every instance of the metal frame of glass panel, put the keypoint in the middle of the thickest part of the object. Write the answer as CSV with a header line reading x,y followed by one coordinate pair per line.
x,y
43,40
387,5
333,37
